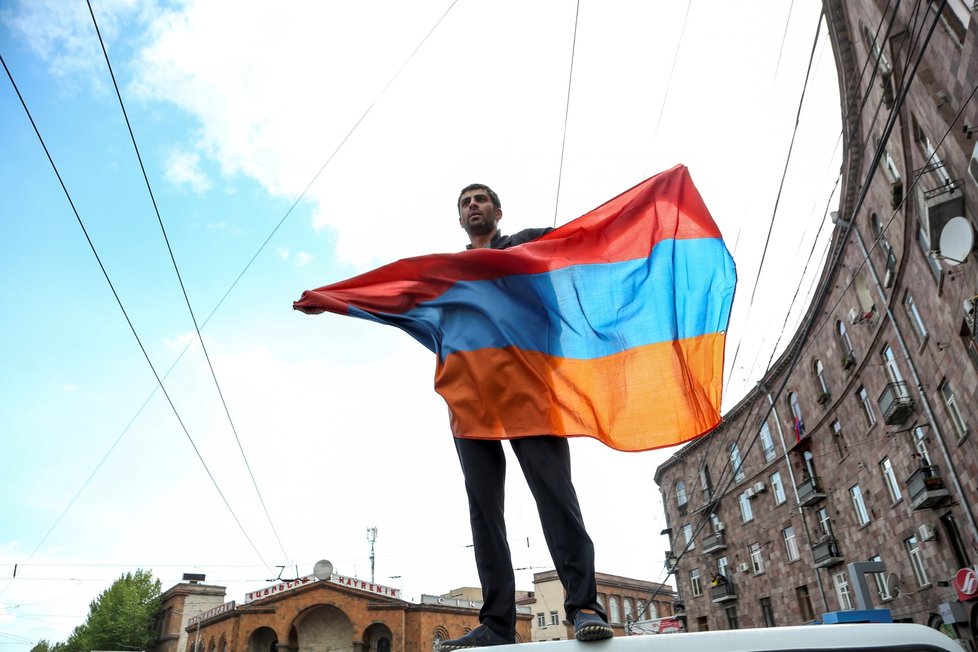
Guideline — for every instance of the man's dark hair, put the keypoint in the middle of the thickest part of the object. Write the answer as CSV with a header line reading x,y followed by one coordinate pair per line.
x,y
478,186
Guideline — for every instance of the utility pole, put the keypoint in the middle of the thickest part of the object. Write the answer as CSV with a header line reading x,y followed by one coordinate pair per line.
x,y
371,539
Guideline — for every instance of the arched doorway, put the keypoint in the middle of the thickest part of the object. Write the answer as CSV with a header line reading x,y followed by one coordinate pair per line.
x,y
263,639
323,628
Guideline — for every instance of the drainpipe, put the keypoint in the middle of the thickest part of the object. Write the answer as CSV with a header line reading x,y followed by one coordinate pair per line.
x,y
794,487
939,436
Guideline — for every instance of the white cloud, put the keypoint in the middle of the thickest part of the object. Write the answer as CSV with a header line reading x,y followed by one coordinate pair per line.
x,y
180,342
183,169
303,258
283,253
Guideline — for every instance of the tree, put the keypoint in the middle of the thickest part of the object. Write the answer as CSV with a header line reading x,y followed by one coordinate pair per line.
x,y
121,618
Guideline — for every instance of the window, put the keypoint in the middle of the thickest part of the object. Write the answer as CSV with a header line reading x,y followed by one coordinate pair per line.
x,y
951,403
681,498
844,342
889,478
716,522
756,560
736,464
839,439
723,567
821,383
915,319
920,443
541,620
797,420
913,551
733,622
882,589
688,536
695,584
746,513
554,618
877,53
877,225
767,612
706,482
601,601
955,540
615,610
790,543
767,443
841,581
856,494
629,609
777,489
924,242
804,603
653,611
867,406
891,369
824,521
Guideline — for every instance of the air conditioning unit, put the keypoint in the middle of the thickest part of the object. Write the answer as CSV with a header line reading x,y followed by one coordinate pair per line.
x,y
854,316
759,487
749,492
940,210
719,526
743,567
973,164
927,533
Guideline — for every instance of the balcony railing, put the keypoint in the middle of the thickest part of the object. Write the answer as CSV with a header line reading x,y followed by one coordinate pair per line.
x,y
926,487
714,542
810,491
895,404
826,553
723,592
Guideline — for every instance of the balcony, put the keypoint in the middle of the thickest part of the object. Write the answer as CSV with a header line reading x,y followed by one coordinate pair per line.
x,y
826,553
895,404
671,562
810,491
714,543
926,488
723,592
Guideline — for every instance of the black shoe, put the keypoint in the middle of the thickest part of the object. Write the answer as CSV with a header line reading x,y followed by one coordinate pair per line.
x,y
591,627
481,636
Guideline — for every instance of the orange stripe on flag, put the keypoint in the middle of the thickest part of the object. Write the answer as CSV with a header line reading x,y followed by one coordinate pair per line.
x,y
648,397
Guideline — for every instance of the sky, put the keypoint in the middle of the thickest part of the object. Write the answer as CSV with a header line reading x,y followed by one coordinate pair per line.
x,y
290,145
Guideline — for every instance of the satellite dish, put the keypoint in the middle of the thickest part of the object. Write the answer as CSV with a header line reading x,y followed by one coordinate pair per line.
x,y
323,570
957,239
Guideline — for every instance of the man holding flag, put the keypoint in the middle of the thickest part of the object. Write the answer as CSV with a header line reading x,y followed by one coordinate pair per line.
x,y
611,326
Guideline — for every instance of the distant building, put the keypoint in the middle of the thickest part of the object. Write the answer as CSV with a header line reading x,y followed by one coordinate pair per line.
x,y
339,614
624,599
856,444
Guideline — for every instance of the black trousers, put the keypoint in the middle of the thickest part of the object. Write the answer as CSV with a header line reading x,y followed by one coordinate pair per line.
x,y
545,461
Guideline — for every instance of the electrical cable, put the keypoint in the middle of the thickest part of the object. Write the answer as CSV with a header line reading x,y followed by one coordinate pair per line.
x,y
563,140
240,275
183,288
125,314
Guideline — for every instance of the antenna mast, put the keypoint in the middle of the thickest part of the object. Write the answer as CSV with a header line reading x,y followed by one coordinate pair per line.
x,y
371,539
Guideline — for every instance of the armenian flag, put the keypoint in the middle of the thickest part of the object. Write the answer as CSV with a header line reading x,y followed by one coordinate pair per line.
x,y
611,326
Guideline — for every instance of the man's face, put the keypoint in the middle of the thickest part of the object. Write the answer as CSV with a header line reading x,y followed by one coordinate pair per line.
x,y
476,214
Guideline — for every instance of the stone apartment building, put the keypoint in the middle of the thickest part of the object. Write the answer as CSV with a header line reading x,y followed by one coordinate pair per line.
x,y
857,443
624,599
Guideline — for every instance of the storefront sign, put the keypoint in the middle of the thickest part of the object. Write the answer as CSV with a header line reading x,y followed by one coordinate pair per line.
x,y
281,587
451,602
351,582
211,613
362,585
966,584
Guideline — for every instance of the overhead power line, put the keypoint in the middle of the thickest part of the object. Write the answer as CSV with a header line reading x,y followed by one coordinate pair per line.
x,y
122,307
563,140
183,288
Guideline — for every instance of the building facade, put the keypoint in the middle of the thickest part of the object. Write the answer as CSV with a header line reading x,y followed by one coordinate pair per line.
x,y
625,600
309,614
856,445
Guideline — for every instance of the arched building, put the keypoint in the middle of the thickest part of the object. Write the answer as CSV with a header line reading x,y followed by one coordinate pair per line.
x,y
341,614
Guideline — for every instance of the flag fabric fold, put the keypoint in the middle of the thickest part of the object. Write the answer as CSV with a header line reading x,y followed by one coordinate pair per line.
x,y
611,326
